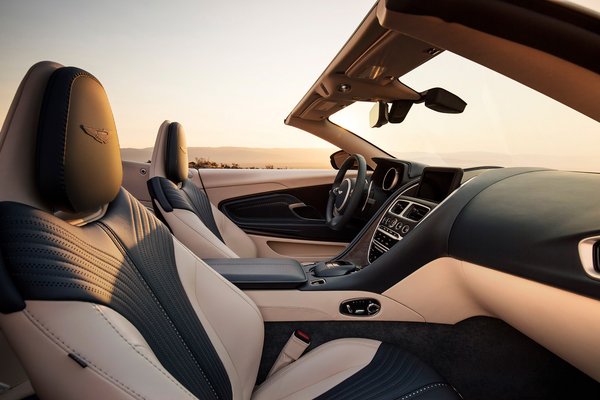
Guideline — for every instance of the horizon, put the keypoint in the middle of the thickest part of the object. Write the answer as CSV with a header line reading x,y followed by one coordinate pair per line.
x,y
235,79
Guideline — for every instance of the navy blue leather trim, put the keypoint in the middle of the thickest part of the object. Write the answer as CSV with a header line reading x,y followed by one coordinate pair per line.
x,y
201,205
260,273
176,161
393,374
189,197
125,261
167,194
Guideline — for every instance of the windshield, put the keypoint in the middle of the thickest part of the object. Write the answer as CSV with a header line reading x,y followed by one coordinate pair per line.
x,y
504,124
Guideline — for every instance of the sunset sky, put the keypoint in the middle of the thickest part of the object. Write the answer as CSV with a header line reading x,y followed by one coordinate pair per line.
x,y
230,72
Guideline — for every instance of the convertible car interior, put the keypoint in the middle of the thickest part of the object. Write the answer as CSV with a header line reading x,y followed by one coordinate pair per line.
x,y
386,277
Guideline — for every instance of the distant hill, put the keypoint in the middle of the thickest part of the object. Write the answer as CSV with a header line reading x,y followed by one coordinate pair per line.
x,y
315,158
309,158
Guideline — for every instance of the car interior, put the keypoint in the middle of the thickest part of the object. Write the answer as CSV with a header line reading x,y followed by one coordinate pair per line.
x,y
381,278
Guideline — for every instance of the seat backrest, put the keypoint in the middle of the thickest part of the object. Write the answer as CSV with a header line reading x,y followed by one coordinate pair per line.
x,y
105,304
185,207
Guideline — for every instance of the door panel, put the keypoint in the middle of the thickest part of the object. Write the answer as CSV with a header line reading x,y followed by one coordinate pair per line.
x,y
224,184
286,215
135,175
282,210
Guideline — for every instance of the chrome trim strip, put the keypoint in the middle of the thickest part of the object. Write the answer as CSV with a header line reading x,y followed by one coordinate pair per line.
x,y
348,192
586,254
394,181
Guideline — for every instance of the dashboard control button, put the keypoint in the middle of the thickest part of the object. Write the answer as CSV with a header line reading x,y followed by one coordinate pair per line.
x,y
373,308
405,229
362,307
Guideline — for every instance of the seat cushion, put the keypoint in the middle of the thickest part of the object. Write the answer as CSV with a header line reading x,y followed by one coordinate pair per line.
x,y
356,369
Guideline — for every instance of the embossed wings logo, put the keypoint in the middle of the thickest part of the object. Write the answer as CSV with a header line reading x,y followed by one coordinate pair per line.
x,y
100,134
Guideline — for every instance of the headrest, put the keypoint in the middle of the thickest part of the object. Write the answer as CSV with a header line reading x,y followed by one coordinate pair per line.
x,y
176,158
78,162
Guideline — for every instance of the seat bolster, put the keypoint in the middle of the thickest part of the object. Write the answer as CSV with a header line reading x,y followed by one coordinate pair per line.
x,y
157,164
235,238
119,362
230,318
319,370
187,227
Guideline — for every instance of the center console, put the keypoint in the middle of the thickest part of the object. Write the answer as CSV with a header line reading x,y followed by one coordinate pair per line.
x,y
398,220
405,213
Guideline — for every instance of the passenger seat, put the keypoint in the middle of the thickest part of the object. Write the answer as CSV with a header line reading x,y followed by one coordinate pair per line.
x,y
186,208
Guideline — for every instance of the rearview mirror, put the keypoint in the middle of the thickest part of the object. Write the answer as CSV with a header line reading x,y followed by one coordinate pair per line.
x,y
443,101
437,99
399,110
378,115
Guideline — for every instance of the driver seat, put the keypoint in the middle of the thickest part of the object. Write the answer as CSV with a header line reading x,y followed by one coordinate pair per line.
x,y
185,208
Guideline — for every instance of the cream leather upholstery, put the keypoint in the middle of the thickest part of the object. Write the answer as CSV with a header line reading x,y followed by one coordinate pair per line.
x,y
197,237
228,315
188,228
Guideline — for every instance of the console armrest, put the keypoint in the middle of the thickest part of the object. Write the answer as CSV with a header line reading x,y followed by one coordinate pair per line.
x,y
260,273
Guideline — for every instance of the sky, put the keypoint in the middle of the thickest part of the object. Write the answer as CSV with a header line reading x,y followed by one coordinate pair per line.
x,y
504,123
230,72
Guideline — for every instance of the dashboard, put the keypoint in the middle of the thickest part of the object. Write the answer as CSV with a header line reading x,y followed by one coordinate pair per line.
x,y
534,223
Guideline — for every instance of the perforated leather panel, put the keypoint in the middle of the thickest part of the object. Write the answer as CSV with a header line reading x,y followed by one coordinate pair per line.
x,y
126,262
393,374
199,200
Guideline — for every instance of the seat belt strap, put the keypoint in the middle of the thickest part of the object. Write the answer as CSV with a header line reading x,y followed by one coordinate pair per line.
x,y
293,349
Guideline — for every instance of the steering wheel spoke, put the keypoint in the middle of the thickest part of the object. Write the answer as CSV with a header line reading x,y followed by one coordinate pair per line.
x,y
346,193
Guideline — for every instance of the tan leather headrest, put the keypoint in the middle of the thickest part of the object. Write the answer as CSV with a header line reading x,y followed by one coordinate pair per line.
x,y
78,162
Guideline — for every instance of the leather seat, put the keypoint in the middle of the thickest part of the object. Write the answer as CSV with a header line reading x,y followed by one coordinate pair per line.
x,y
104,303
185,208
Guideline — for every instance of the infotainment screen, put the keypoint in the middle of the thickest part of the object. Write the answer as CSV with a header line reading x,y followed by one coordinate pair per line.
x,y
438,182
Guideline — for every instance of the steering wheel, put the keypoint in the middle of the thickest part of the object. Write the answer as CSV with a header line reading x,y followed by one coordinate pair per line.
x,y
346,193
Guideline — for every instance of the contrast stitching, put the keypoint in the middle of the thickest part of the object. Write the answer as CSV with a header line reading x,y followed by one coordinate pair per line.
x,y
113,236
64,235
108,376
142,354
423,390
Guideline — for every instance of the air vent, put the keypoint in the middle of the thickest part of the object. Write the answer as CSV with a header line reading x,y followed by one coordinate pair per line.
x,y
417,212
399,207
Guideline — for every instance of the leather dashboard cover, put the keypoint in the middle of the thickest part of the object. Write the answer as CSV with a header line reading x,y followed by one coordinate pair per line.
x,y
260,273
